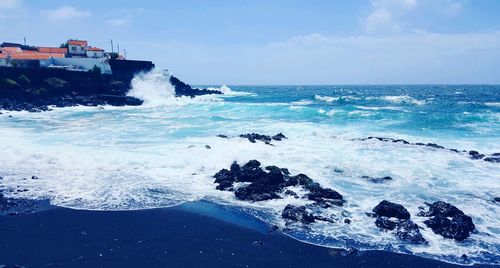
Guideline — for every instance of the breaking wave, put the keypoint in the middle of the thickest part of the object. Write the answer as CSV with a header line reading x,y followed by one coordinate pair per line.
x,y
152,87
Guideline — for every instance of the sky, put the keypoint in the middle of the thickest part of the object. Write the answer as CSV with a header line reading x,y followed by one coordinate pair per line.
x,y
236,42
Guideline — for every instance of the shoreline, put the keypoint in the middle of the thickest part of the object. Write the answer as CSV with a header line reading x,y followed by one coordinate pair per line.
x,y
193,234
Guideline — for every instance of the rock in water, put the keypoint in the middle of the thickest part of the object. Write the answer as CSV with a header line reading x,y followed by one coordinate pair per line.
x,y
405,229
388,209
385,223
378,180
409,231
458,228
183,89
269,185
442,209
448,221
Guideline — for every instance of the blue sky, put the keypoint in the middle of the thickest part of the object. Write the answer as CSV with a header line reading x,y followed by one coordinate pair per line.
x,y
281,41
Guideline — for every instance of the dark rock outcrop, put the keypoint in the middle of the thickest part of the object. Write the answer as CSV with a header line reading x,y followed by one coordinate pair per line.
x,y
388,209
475,155
378,180
253,137
35,89
448,221
183,89
410,232
385,223
391,216
440,208
270,183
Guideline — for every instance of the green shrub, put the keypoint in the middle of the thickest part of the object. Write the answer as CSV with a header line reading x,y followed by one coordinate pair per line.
x,y
6,83
56,82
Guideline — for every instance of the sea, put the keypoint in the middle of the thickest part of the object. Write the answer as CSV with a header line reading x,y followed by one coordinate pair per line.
x,y
165,153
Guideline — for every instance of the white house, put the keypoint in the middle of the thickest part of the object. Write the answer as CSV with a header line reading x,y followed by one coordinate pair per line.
x,y
77,47
94,52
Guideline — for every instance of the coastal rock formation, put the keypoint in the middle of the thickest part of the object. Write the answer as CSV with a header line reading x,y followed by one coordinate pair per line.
x,y
377,180
183,89
253,137
475,155
448,221
410,232
270,183
388,209
392,216
35,89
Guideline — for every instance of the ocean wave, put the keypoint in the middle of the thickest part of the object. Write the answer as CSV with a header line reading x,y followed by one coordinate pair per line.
x,y
326,98
330,99
403,99
302,102
376,108
492,104
227,91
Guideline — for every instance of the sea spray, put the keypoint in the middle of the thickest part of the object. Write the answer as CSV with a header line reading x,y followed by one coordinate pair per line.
x,y
152,87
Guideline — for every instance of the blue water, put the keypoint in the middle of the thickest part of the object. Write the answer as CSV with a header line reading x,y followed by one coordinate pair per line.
x,y
119,158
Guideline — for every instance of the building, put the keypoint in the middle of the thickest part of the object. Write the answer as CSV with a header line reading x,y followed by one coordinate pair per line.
x,y
75,55
94,52
77,47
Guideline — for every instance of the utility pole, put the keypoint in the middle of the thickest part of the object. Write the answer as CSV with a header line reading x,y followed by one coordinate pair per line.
x,y
112,47
25,41
118,48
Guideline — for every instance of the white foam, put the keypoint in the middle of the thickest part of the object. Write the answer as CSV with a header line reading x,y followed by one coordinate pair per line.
x,y
403,99
492,104
153,87
302,102
326,98
376,108
227,91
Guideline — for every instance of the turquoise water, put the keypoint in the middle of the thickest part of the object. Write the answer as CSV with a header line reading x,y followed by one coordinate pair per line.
x,y
119,158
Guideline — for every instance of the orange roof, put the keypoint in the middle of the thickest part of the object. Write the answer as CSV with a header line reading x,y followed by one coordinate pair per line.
x,y
81,43
94,49
52,50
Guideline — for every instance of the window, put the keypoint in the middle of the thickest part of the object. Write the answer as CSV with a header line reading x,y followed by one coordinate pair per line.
x,y
73,48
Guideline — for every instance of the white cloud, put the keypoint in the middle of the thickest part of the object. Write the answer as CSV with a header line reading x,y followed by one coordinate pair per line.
x,y
452,8
65,13
120,21
381,20
10,4
395,4
385,15
417,57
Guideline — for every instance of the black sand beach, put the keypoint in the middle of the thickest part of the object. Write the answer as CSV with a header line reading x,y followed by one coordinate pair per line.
x,y
182,236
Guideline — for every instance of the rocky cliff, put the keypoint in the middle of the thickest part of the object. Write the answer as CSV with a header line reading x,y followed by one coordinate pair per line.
x,y
35,89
